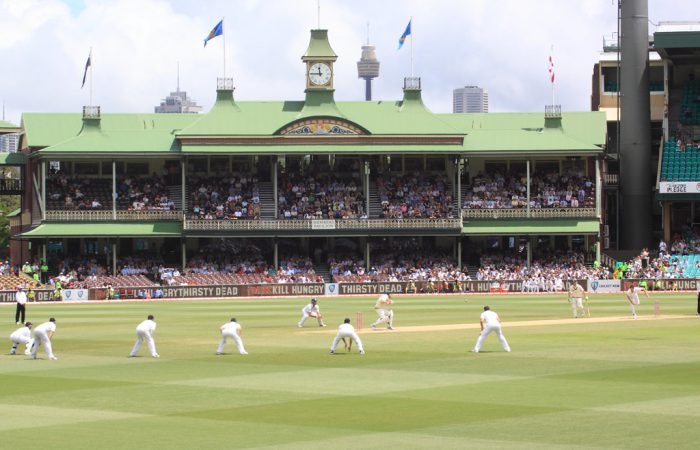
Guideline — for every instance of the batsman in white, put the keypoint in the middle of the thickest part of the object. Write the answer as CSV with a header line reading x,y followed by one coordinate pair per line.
x,y
22,335
632,294
386,314
311,310
346,330
489,322
144,332
42,336
231,330
576,294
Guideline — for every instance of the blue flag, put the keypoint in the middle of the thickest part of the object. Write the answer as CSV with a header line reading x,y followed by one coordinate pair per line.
x,y
217,31
405,34
88,63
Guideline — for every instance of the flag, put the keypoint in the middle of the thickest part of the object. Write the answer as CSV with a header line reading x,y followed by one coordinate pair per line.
x,y
405,34
88,63
551,69
218,30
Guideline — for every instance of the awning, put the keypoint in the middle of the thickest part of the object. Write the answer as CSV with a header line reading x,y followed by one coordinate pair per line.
x,y
111,229
531,227
12,159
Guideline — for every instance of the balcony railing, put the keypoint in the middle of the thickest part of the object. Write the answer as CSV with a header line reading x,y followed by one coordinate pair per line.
x,y
91,112
612,179
535,213
103,215
301,225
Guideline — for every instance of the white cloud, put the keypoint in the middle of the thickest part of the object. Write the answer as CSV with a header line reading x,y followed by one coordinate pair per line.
x,y
501,45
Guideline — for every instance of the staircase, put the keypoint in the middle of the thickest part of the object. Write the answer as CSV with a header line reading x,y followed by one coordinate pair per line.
x,y
471,270
175,194
267,200
375,206
324,271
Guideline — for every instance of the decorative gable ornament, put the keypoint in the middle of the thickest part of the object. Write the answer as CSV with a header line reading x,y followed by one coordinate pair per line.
x,y
321,127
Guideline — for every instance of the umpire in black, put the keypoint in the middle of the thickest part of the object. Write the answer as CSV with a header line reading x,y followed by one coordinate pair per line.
x,y
21,299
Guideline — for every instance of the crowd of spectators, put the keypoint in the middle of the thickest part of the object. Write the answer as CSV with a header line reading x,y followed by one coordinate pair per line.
x,y
415,196
232,262
224,197
547,272
320,197
509,191
404,260
133,193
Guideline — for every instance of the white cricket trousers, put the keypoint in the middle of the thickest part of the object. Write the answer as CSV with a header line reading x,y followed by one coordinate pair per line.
x,y
576,305
352,335
41,338
144,336
487,330
17,340
236,338
385,315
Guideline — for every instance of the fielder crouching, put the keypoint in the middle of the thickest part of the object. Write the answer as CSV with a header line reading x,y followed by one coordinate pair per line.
x,y
346,330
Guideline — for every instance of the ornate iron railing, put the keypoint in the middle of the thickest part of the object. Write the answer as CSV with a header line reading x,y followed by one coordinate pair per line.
x,y
102,215
535,213
292,225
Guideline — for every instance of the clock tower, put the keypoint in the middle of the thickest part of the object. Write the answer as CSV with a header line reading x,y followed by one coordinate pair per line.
x,y
319,59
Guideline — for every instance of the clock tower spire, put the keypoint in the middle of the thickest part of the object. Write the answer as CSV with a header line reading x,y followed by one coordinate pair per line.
x,y
319,59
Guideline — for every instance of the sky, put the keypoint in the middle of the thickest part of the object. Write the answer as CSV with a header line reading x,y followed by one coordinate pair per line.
x,y
500,45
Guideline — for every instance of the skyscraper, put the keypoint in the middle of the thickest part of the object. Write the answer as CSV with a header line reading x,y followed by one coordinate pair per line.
x,y
178,102
470,99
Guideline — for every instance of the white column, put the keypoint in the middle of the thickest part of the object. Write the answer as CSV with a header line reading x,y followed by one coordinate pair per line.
x,y
184,253
114,190
275,199
43,190
527,170
598,185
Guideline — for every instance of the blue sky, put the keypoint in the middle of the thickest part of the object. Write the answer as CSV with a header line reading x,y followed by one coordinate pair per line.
x,y
501,45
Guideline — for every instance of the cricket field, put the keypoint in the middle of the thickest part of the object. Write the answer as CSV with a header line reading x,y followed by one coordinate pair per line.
x,y
604,382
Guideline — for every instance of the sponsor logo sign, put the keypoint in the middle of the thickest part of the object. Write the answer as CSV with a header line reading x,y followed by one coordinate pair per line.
x,y
331,289
604,285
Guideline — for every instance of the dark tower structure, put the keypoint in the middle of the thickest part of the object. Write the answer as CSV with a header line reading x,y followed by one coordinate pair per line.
x,y
635,134
368,68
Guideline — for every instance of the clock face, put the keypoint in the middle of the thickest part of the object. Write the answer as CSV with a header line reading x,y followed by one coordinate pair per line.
x,y
319,74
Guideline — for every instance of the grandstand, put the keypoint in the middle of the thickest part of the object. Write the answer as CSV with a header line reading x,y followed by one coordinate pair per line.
x,y
266,193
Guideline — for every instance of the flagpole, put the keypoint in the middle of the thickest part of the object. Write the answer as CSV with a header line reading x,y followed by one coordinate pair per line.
x,y
223,31
90,58
551,53
411,22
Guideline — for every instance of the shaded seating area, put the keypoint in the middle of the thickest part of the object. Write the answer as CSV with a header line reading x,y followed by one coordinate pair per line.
x,y
680,161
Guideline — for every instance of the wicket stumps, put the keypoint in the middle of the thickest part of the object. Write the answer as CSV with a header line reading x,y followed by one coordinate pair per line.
x,y
359,320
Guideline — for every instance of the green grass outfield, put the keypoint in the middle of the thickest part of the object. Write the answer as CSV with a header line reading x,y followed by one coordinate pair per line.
x,y
618,384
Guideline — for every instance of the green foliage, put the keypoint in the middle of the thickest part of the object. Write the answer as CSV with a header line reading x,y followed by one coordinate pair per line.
x,y
8,203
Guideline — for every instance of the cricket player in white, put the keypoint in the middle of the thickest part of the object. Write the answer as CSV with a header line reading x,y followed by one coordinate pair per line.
x,y
576,294
22,336
386,314
231,330
144,332
633,297
42,336
345,330
311,310
489,322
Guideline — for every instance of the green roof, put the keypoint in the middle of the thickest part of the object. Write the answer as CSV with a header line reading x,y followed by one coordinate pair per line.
x,y
116,132
148,134
15,213
531,227
11,159
81,229
4,124
319,46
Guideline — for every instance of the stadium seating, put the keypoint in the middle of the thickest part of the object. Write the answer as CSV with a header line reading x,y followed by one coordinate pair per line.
x,y
690,103
680,162
10,282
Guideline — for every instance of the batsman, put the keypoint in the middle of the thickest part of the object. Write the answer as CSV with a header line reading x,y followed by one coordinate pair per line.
x,y
384,311
576,295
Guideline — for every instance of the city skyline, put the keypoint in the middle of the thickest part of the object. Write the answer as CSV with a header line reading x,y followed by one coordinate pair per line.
x,y
137,44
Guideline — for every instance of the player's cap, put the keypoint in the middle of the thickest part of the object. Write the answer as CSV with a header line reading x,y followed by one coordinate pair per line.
x,y
27,324
233,319
150,317
346,320
486,308
313,300
52,320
